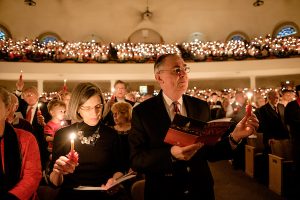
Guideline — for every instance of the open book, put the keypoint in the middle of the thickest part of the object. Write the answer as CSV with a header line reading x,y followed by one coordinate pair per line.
x,y
118,181
185,131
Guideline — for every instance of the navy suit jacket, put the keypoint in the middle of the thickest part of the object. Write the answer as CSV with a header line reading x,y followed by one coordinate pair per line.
x,y
166,178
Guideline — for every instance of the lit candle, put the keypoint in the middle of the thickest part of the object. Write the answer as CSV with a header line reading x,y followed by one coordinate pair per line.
x,y
249,106
39,109
65,85
72,137
21,75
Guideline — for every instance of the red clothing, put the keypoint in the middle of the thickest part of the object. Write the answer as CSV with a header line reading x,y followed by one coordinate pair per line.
x,y
49,130
31,171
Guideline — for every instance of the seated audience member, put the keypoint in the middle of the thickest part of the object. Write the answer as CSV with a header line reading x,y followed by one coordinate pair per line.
x,y
15,120
20,165
96,160
57,110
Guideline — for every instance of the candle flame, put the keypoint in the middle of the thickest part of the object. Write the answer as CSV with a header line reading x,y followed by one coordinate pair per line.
x,y
249,95
72,136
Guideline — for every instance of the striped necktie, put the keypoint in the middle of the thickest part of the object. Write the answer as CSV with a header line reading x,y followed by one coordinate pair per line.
x,y
175,107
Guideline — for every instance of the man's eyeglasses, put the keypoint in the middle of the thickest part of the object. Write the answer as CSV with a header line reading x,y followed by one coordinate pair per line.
x,y
89,108
177,70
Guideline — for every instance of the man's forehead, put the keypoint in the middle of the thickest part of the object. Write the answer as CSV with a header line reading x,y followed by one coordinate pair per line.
x,y
174,60
120,85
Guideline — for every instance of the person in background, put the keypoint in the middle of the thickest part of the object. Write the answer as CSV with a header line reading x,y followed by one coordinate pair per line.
x,y
221,113
131,97
215,106
65,97
237,109
14,119
122,113
292,119
174,172
20,165
118,96
271,121
122,117
32,111
57,110
96,145
259,101
287,96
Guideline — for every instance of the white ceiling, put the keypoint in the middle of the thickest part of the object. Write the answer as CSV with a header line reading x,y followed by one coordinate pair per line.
x,y
116,20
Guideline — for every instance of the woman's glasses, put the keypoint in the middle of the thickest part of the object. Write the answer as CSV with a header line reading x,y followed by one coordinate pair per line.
x,y
89,108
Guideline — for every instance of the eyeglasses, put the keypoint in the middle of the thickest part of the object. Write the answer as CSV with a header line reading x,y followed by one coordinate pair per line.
x,y
28,94
89,108
177,70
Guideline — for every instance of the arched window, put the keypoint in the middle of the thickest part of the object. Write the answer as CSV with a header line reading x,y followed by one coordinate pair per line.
x,y
145,35
238,35
286,29
48,37
4,33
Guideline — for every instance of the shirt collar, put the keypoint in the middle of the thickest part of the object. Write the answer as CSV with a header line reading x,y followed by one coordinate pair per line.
x,y
169,101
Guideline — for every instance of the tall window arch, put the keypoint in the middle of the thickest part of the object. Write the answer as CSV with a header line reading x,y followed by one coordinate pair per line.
x,y
48,37
237,35
145,35
286,29
4,32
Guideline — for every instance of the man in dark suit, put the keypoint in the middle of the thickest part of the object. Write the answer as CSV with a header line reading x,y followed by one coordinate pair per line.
x,y
174,172
271,121
28,102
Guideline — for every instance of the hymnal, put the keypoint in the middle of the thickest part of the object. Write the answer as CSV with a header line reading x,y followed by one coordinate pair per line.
x,y
185,131
127,176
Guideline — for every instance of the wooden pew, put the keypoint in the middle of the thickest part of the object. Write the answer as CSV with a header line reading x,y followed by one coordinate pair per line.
x,y
253,149
280,167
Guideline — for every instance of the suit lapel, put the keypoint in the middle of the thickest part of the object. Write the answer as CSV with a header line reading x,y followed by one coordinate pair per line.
x,y
271,110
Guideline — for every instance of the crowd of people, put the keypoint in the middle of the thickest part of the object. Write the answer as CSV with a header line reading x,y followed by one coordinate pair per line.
x,y
61,51
119,135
